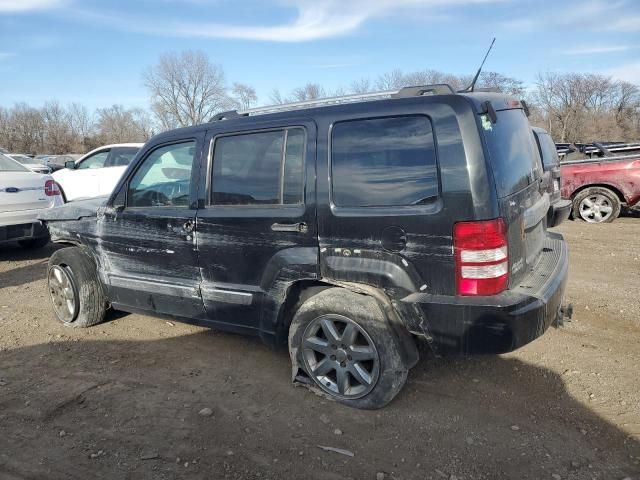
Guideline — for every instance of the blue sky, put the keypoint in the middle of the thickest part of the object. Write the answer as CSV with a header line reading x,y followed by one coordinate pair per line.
x,y
94,52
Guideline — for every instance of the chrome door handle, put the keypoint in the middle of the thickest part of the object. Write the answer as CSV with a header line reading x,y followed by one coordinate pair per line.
x,y
290,227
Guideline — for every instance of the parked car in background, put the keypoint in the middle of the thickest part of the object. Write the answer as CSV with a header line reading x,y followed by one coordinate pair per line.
x,y
559,208
599,181
30,163
58,162
96,173
347,230
23,196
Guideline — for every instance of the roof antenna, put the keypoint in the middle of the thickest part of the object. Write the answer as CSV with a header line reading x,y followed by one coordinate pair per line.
x,y
475,79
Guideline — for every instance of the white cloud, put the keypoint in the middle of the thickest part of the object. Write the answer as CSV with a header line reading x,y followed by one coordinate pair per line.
x,y
629,72
629,23
594,49
313,20
29,5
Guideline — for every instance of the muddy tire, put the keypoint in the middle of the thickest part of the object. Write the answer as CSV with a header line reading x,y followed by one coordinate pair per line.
x,y
34,243
346,347
596,205
74,288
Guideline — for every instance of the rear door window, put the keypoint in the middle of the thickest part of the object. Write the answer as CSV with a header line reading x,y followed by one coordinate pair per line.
x,y
382,162
259,168
121,156
512,154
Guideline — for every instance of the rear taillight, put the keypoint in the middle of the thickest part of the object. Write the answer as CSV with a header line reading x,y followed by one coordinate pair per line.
x,y
481,256
51,188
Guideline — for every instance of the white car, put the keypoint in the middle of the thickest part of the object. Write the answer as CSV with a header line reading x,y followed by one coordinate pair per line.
x,y
23,196
97,173
30,163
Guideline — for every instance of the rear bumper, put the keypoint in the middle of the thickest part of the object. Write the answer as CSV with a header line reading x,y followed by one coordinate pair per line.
x,y
22,231
500,323
558,212
22,225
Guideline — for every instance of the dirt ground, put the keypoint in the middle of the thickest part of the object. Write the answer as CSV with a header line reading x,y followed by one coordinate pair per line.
x,y
122,400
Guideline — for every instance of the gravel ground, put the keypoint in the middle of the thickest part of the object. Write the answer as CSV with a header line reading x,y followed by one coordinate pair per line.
x,y
142,398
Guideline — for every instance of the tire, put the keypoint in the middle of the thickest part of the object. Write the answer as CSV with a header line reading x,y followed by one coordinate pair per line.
x,y
354,313
34,243
596,205
75,289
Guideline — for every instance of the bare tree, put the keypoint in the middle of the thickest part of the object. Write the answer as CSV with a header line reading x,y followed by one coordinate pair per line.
x,y
244,95
58,138
26,129
585,107
362,85
390,80
310,91
117,124
82,127
186,89
276,97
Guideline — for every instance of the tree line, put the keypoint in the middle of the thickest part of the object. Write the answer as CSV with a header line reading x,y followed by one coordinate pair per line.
x,y
188,89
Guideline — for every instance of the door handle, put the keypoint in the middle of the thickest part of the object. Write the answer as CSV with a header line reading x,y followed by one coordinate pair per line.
x,y
188,226
290,227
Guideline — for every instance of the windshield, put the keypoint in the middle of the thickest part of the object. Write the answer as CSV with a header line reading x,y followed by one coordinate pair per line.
x,y
548,148
512,154
8,165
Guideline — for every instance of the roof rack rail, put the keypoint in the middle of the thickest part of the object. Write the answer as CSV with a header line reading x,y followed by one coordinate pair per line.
x,y
436,89
420,90
228,115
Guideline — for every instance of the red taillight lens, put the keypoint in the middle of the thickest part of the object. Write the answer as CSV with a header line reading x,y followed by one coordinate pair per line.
x,y
481,256
51,188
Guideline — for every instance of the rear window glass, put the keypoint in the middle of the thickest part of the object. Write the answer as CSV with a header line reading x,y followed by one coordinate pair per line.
x,y
511,151
383,162
122,156
9,165
548,149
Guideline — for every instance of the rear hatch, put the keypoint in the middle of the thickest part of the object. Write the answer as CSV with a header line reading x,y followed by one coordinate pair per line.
x,y
517,173
23,191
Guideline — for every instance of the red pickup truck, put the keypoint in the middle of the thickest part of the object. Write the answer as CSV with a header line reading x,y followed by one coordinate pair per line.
x,y
601,180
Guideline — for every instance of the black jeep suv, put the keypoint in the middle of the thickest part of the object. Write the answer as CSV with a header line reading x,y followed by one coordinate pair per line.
x,y
347,229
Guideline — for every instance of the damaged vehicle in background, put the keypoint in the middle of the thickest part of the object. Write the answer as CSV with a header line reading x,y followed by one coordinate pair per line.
x,y
601,179
347,229
23,196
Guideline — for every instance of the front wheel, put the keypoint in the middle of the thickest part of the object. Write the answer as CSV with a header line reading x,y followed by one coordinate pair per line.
x,y
75,289
346,346
596,205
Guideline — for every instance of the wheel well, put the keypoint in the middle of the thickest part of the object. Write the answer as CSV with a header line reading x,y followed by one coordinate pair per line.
x,y
600,185
297,294
64,197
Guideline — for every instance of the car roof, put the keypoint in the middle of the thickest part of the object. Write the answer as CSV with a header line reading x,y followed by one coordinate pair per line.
x,y
113,145
237,120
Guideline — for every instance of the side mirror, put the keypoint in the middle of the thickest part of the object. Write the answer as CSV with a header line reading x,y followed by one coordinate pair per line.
x,y
70,164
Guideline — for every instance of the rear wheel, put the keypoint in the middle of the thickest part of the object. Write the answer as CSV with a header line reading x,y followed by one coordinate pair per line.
x,y
74,288
596,205
345,345
34,243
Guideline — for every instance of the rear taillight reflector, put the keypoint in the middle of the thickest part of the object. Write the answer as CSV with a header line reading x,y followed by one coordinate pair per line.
x,y
51,188
481,256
